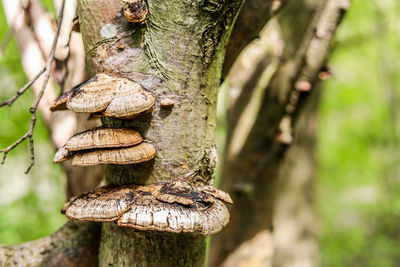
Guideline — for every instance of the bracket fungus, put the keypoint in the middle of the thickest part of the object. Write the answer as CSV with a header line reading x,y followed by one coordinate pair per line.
x,y
121,156
60,103
135,10
103,138
172,206
167,102
105,146
110,96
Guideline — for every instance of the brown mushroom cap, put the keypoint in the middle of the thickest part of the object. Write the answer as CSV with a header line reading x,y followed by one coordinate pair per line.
x,y
103,138
121,156
62,154
130,99
187,208
157,216
225,197
61,102
167,102
75,25
103,204
135,11
113,96
93,95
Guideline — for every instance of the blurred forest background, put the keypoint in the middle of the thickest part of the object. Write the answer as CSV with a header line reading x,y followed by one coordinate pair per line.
x,y
358,186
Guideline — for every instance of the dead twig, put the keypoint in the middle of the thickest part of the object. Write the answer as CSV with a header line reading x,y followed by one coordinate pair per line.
x,y
21,91
34,107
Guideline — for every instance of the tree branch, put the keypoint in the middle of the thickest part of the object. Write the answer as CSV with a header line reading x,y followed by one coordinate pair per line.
x,y
257,251
42,26
68,71
34,107
252,18
31,55
74,244
21,91
264,56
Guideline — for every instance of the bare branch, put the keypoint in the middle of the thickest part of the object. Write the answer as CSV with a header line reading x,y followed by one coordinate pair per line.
x,y
42,26
21,91
34,107
31,55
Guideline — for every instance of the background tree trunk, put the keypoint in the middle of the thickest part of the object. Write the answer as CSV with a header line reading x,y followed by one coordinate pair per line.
x,y
250,174
294,220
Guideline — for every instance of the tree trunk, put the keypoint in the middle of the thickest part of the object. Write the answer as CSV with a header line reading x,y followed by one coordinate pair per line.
x,y
178,53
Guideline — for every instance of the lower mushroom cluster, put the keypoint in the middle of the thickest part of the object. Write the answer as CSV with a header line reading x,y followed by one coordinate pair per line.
x,y
172,206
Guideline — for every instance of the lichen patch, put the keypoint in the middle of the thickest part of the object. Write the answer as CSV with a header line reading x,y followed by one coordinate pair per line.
x,y
109,30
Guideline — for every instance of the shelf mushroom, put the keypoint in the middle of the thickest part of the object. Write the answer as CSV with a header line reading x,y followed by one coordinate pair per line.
x,y
105,146
135,10
106,95
121,156
171,206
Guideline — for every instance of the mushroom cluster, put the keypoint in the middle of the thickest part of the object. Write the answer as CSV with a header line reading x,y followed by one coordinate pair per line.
x,y
106,146
172,206
105,95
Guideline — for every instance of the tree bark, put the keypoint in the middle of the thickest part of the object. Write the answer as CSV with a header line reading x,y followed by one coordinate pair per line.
x,y
177,54
252,174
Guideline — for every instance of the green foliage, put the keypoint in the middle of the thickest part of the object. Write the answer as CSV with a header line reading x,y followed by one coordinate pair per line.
x,y
359,136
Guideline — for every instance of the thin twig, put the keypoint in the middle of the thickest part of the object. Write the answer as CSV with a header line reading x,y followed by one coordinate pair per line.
x,y
21,91
34,107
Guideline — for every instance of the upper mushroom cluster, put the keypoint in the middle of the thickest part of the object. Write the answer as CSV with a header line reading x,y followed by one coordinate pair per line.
x,y
109,96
